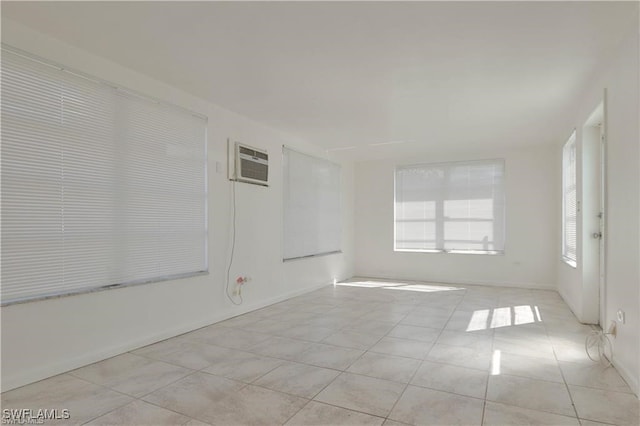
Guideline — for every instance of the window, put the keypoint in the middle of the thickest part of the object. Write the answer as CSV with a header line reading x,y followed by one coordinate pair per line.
x,y
569,201
311,206
101,187
450,207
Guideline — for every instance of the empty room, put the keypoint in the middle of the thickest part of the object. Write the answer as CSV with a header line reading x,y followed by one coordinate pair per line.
x,y
320,213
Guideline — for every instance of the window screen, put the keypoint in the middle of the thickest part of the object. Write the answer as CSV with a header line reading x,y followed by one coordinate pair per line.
x,y
450,207
100,186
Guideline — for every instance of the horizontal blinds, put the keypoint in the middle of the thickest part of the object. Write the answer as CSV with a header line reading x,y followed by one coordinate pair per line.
x,y
569,200
450,207
99,186
311,203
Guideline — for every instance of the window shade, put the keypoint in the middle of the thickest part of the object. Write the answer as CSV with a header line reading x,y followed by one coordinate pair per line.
x,y
311,205
457,207
569,198
100,187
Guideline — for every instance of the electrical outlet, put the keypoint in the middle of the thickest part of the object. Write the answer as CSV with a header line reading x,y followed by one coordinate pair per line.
x,y
621,316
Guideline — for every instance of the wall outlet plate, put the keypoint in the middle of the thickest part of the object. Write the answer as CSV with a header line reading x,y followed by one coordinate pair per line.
x,y
620,315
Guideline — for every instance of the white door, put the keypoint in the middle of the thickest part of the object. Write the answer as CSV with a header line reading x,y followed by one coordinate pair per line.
x,y
593,193
603,235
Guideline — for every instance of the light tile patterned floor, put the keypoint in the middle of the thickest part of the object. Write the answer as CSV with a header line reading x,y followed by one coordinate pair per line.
x,y
365,352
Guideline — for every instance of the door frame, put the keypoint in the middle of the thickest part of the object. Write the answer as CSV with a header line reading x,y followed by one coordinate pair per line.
x,y
594,209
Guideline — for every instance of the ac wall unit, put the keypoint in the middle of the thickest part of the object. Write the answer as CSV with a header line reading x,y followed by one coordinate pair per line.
x,y
251,165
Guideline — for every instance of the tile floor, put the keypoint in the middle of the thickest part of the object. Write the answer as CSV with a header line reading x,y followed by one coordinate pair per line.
x,y
360,353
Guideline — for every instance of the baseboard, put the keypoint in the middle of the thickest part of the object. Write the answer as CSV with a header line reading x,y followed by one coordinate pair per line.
x,y
631,379
12,381
571,306
273,300
529,286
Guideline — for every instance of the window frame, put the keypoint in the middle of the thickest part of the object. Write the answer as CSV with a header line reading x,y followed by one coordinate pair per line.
x,y
569,148
440,220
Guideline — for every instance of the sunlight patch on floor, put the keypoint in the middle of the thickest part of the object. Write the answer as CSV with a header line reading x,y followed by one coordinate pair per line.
x,y
495,363
390,285
483,319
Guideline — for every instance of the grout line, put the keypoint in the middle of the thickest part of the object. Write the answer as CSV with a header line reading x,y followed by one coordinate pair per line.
x,y
345,301
486,388
296,413
106,413
566,385
423,359
348,409
112,410
168,384
188,416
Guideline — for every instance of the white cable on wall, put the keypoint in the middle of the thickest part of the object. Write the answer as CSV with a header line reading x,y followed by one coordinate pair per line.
x,y
598,347
233,246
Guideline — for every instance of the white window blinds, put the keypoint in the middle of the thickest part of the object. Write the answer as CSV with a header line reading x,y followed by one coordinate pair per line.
x,y
311,205
450,207
100,187
569,201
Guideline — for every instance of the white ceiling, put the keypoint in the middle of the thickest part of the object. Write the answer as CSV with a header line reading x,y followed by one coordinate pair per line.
x,y
382,77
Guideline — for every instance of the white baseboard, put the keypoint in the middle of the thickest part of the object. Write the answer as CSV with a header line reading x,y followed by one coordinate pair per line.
x,y
525,285
14,380
631,379
569,303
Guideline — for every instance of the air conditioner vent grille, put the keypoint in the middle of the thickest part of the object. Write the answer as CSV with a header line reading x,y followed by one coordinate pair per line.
x,y
253,153
253,170
252,165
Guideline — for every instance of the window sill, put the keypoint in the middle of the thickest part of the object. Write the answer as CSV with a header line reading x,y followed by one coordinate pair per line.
x,y
471,252
86,290
570,262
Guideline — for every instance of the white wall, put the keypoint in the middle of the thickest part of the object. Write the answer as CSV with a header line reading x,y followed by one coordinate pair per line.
x,y
43,338
619,75
531,225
